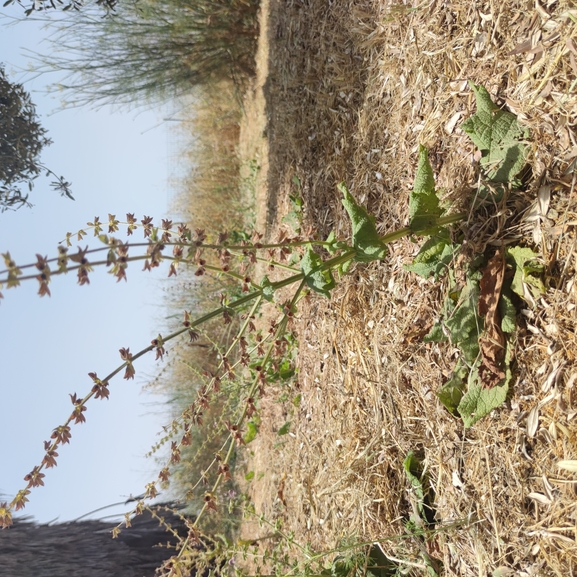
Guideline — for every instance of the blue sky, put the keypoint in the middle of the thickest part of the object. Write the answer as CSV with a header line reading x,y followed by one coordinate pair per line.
x,y
117,163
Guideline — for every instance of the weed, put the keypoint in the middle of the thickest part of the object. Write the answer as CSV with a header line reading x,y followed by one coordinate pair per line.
x,y
478,317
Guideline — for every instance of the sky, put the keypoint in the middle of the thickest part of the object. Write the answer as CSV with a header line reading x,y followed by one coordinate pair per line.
x,y
117,163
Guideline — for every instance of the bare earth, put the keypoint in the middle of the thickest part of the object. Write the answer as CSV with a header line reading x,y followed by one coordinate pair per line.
x,y
346,91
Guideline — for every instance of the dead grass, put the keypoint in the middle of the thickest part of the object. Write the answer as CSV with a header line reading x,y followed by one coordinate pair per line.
x,y
351,89
208,196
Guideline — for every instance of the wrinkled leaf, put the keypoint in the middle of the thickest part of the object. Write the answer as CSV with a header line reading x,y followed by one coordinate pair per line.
x,y
498,136
464,324
492,342
424,207
451,393
528,271
414,471
478,401
321,281
508,311
366,240
434,256
436,334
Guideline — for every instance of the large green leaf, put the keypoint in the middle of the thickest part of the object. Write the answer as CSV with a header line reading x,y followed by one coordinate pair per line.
x,y
498,136
424,207
366,240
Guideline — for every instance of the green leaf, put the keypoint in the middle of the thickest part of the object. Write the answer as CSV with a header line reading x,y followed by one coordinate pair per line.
x,y
251,431
284,429
267,289
286,370
424,207
434,256
414,470
335,245
528,271
366,240
479,402
436,334
498,136
321,281
465,325
507,311
249,476
451,393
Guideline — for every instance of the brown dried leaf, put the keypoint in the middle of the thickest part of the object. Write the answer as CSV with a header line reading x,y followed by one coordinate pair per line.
x,y
492,343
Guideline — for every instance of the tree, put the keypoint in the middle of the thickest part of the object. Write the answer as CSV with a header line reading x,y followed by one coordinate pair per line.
x,y
150,51
22,139
43,5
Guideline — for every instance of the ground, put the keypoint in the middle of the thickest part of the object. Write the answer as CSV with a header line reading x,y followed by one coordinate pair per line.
x,y
347,91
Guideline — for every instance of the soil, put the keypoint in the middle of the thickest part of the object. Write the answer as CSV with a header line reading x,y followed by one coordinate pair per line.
x,y
347,91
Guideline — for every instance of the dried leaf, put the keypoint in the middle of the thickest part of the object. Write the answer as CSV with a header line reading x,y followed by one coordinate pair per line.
x,y
548,487
540,498
492,343
533,421
570,465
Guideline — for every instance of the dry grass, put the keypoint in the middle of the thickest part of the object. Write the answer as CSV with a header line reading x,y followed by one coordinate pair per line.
x,y
209,196
351,89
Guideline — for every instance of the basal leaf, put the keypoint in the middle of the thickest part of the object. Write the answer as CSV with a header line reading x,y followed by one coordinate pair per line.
x,y
424,207
414,471
465,325
498,136
508,311
436,334
528,271
434,256
321,281
478,401
366,240
419,483
451,393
